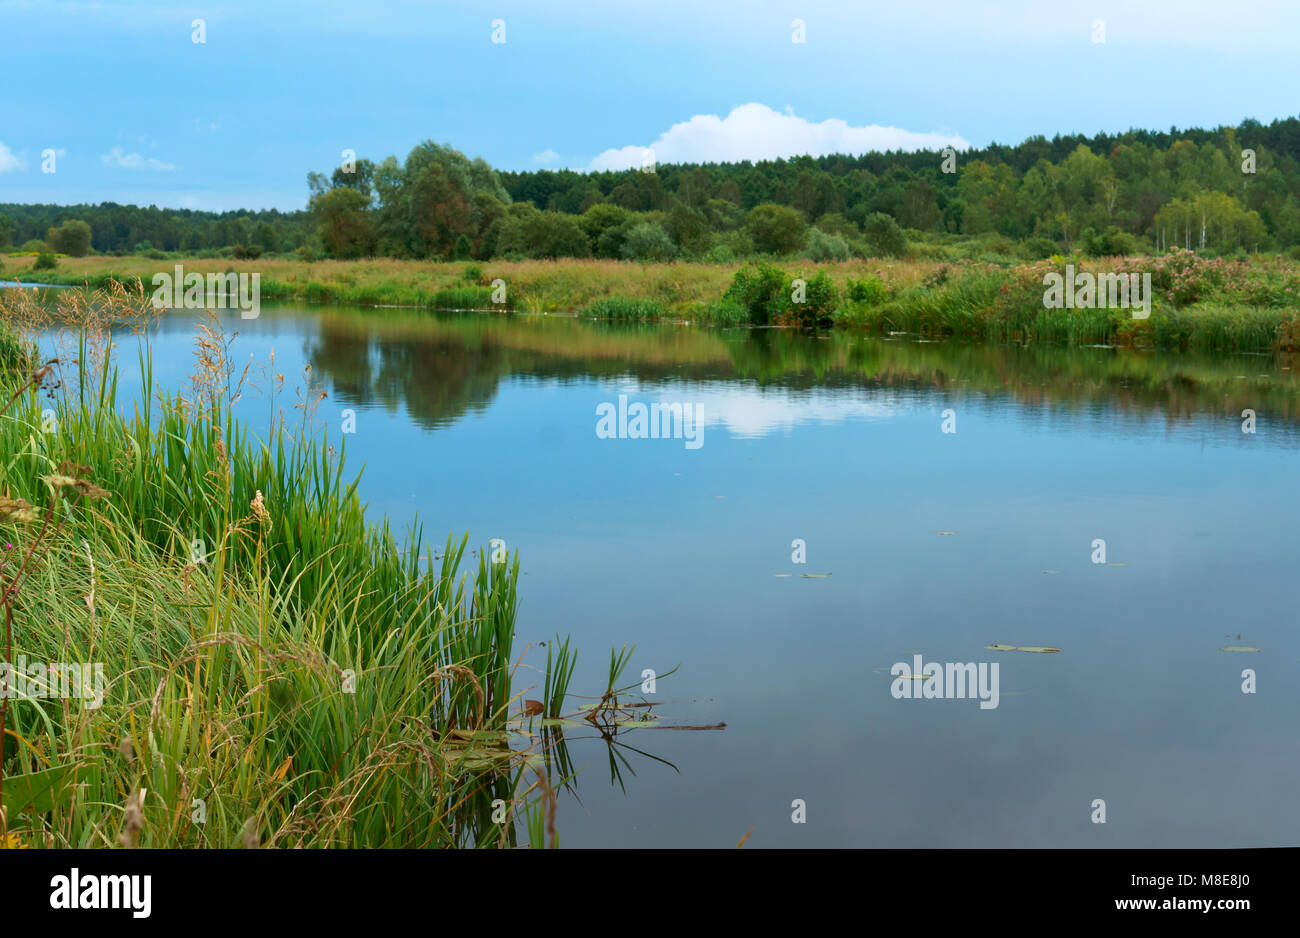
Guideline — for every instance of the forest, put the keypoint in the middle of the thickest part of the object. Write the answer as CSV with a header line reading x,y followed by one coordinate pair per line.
x,y
1227,191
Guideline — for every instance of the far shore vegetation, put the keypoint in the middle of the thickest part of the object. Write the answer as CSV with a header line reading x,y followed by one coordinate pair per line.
x,y
1199,302
932,243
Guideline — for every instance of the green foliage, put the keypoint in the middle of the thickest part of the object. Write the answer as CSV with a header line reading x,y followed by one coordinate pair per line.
x,y
346,229
45,261
648,241
526,232
688,229
820,300
1111,243
884,236
15,354
761,290
869,290
71,238
826,247
1037,249
775,229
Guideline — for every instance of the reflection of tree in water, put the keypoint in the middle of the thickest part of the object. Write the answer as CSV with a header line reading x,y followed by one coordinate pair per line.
x,y
437,378
440,366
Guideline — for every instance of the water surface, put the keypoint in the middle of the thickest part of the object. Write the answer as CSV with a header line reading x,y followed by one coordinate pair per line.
x,y
487,424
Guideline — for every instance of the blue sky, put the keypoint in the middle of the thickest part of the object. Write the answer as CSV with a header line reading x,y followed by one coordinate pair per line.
x,y
138,112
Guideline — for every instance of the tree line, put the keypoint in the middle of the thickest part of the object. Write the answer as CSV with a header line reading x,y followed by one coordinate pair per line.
x,y
1223,190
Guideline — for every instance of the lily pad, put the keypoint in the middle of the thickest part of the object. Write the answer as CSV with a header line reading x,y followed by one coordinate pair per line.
x,y
1038,649
815,576
998,646
782,574
945,533
1239,648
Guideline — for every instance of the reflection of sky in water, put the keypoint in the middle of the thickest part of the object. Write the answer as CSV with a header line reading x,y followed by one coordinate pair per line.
x,y
751,412
628,541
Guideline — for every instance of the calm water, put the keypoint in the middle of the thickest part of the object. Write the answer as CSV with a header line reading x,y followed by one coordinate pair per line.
x,y
487,424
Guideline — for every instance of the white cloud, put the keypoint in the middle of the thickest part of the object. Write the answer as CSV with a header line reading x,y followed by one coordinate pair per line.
x,y
546,157
8,160
756,132
121,160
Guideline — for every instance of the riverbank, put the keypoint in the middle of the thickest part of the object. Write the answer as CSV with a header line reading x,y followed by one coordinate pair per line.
x,y
212,619
1195,302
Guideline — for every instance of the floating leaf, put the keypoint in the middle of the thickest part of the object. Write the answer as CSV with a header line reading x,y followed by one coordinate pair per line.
x,y
1051,571
998,646
1239,648
1118,563
1038,649
815,576
782,574
945,533
533,708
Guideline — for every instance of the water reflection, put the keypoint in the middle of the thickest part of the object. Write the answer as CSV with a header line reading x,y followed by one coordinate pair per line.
x,y
487,423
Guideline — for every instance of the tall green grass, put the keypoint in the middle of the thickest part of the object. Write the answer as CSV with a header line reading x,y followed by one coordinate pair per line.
x,y
279,670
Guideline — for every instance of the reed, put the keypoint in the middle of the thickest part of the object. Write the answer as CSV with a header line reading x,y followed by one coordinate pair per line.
x,y
278,671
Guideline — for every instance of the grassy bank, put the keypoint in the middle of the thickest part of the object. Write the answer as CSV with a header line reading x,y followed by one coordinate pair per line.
x,y
278,670
1197,302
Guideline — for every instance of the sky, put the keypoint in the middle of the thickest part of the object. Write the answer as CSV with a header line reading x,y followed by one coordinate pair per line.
x,y
136,111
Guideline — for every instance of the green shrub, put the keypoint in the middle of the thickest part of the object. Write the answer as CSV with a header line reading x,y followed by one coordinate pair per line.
x,y
826,247
818,303
45,261
869,290
776,229
71,238
473,273
720,254
648,242
762,290
1112,243
1037,249
884,236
